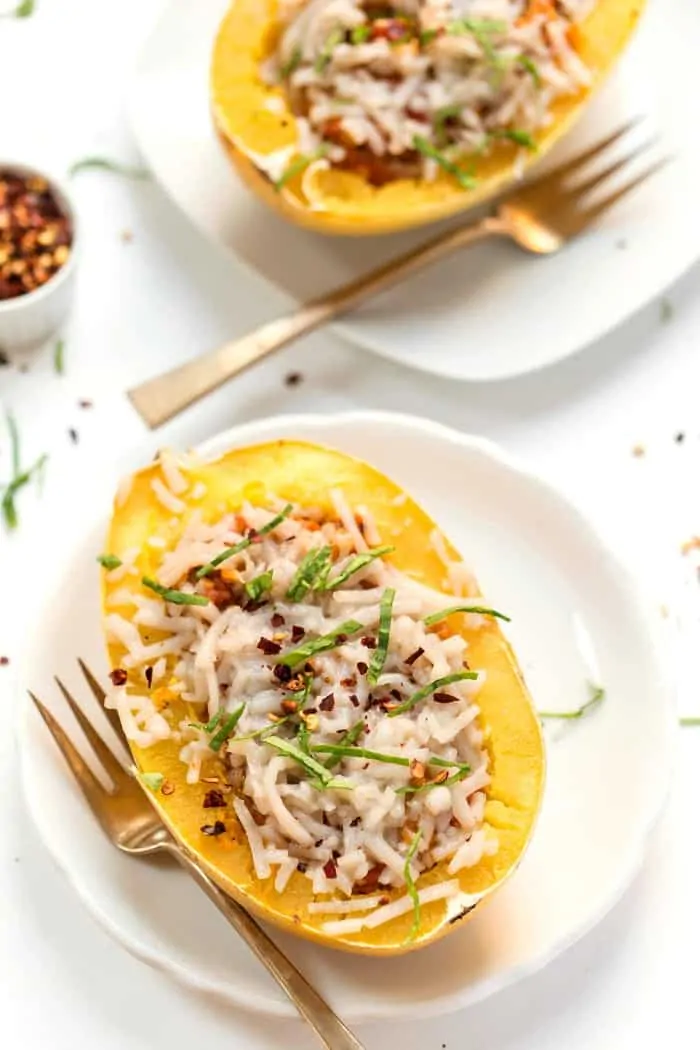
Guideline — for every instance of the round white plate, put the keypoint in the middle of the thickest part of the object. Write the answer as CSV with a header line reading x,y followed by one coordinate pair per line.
x,y
483,314
576,616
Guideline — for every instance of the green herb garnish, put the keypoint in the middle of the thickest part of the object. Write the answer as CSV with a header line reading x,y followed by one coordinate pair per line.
x,y
321,644
341,750
354,565
360,34
105,164
176,597
109,561
442,116
465,179
335,37
204,570
689,720
58,357
426,36
312,571
520,138
211,724
306,761
478,609
153,781
258,586
531,67
226,729
292,63
23,10
348,739
19,478
596,696
300,164
411,886
383,634
413,789
429,689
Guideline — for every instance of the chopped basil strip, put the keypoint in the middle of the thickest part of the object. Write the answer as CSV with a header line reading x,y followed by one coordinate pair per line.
x,y
531,67
303,737
307,762
226,729
596,696
242,544
105,164
689,720
213,722
348,739
321,644
176,597
260,585
431,687
300,164
411,886
479,610
464,178
23,10
342,750
335,37
291,64
58,357
360,34
380,653
109,561
426,36
413,789
354,565
520,138
20,477
153,781
312,570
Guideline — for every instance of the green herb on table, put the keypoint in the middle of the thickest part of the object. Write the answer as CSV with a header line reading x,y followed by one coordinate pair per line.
x,y
689,720
20,478
465,179
25,9
354,565
429,689
109,561
321,644
479,610
411,886
300,164
226,729
595,697
259,586
666,310
58,358
205,570
170,595
311,573
105,164
381,651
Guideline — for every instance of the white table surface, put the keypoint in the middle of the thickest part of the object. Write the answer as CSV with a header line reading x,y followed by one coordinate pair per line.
x,y
156,301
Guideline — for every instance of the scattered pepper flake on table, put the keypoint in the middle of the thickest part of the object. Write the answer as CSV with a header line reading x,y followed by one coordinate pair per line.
x,y
4,661
638,451
85,402
293,379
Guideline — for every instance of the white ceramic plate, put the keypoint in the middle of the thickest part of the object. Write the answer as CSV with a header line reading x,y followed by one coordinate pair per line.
x,y
485,314
576,615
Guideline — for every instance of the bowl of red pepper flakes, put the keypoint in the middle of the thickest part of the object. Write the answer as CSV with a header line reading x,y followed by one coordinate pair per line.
x,y
37,257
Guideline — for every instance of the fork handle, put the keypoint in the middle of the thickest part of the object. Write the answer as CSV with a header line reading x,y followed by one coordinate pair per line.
x,y
328,1027
162,397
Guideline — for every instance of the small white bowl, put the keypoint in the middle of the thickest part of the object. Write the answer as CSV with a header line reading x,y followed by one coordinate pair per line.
x,y
28,321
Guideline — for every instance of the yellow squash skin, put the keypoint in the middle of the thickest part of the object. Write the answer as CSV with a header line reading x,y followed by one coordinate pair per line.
x,y
303,473
336,202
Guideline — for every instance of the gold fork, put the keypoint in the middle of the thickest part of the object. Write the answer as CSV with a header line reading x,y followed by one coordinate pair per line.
x,y
540,217
133,826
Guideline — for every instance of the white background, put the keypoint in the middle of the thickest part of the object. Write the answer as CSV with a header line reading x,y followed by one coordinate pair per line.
x,y
152,302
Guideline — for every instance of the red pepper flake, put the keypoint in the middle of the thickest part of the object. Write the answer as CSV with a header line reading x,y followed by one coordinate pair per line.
x,y
362,667
167,788
217,828
214,800
277,620
148,675
341,639
302,868
289,706
267,646
309,667
297,633
414,656
282,673
354,823
293,379
118,676
354,700
327,703
4,661
85,402
369,642
445,698
329,869
396,694
348,683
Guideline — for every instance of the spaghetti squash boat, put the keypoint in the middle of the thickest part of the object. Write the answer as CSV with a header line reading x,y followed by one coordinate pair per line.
x,y
319,701
367,116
